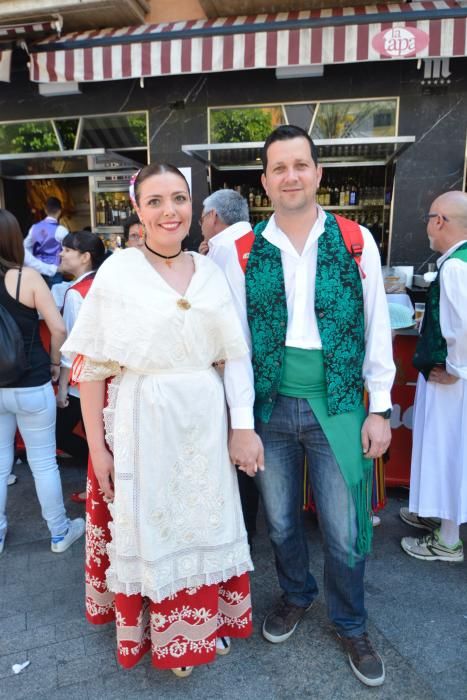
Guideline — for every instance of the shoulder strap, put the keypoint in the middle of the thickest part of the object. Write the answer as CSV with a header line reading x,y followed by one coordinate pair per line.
x,y
18,283
244,244
353,239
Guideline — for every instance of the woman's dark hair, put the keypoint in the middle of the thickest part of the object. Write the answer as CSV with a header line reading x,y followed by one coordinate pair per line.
x,y
129,222
86,242
284,133
156,169
11,241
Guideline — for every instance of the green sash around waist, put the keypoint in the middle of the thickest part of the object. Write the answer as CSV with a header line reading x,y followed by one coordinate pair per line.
x,y
303,377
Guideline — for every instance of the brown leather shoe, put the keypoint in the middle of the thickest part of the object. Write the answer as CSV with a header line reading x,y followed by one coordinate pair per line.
x,y
282,621
364,660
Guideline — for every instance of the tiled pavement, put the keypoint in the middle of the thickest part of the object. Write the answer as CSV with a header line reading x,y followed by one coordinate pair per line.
x,y
417,610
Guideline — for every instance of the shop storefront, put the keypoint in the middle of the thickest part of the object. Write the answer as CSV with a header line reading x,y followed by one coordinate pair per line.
x,y
366,82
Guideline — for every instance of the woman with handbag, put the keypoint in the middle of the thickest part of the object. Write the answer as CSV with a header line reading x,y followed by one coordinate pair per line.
x,y
27,401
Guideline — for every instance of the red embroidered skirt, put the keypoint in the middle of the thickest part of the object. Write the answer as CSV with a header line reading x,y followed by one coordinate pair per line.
x,y
183,628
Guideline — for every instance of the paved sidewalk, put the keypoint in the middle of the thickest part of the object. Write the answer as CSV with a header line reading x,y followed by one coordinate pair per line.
x,y
417,610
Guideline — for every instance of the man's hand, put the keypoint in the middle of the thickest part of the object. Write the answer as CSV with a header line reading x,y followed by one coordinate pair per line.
x,y
440,376
376,436
203,248
103,465
246,451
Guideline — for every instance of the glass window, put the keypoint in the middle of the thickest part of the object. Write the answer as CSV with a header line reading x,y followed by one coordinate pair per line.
x,y
243,124
67,129
117,131
300,115
355,119
28,137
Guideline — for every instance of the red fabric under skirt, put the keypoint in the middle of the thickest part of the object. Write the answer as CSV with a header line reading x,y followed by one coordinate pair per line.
x,y
179,631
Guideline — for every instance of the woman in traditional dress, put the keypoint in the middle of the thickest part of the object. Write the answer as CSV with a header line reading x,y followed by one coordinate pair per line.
x,y
173,571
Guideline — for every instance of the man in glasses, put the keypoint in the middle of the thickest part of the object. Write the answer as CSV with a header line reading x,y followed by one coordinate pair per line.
x,y
438,481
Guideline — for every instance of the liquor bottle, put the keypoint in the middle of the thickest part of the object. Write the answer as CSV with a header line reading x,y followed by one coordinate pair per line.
x,y
342,195
347,194
335,196
108,212
115,213
327,195
122,211
251,198
100,212
353,198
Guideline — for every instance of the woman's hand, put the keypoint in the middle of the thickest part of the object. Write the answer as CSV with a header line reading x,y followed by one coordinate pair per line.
x,y
103,465
61,397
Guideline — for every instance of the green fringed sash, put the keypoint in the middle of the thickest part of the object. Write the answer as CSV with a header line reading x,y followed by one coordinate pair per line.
x,y
303,377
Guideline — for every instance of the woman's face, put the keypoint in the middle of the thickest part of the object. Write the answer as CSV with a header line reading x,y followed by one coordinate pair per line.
x,y
165,210
135,238
73,262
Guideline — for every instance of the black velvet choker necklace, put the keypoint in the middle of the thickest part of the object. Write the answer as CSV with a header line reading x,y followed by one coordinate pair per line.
x,y
167,258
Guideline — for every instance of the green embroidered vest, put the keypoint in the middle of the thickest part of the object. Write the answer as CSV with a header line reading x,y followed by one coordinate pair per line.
x,y
339,314
431,347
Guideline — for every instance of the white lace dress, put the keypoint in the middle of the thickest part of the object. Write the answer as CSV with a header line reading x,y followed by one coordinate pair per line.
x,y
177,520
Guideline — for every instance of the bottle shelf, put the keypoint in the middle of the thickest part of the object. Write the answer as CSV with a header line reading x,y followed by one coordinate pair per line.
x,y
261,209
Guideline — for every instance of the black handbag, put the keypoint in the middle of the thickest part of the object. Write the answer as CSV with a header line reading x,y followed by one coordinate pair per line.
x,y
13,360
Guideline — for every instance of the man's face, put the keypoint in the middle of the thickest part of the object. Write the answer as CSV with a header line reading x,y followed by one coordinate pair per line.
x,y
207,222
435,228
291,178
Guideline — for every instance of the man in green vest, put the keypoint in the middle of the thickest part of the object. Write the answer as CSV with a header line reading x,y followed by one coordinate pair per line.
x,y
319,331
438,476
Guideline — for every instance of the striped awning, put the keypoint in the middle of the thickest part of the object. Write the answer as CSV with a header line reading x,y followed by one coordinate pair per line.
x,y
10,34
341,35
18,31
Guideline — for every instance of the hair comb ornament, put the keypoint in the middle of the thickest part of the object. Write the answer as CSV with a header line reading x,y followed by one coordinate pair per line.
x,y
131,188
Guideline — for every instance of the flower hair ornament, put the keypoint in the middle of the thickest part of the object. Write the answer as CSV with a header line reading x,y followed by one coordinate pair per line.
x,y
131,188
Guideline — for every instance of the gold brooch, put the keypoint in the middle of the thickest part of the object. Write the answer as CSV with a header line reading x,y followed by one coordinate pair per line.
x,y
183,304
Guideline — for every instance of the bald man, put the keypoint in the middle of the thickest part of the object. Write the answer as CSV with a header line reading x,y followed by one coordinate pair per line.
x,y
438,481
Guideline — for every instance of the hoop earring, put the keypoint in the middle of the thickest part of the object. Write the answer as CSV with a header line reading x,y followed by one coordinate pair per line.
x,y
142,231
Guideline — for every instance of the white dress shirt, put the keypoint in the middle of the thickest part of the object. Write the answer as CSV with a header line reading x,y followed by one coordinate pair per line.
x,y
302,329
453,311
30,260
221,244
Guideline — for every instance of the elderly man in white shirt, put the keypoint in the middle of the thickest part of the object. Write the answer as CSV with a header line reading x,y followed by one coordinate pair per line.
x,y
438,477
318,334
225,219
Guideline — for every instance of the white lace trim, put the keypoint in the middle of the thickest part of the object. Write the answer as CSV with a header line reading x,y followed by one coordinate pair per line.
x,y
159,593
109,410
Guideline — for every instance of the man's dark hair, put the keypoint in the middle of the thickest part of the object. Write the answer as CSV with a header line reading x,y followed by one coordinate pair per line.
x,y
283,133
53,206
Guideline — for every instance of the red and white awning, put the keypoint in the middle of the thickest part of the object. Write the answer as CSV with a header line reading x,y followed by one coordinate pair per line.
x,y
13,33
342,35
18,31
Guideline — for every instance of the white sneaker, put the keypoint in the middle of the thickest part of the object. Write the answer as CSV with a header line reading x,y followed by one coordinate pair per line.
x,y
223,645
75,530
376,520
2,542
12,479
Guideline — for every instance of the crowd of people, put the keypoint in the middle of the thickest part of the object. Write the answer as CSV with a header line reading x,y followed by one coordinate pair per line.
x,y
207,381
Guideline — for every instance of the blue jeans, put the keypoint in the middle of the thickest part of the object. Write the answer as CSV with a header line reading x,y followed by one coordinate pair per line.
x,y
292,434
33,410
